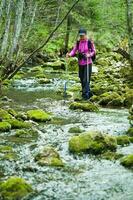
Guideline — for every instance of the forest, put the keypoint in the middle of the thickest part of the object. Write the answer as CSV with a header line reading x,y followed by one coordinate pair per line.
x,y
66,99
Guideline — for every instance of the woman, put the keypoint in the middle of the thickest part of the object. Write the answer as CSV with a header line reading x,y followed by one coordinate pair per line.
x,y
86,50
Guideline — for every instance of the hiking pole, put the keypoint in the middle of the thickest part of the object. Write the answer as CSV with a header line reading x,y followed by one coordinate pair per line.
x,y
65,85
87,74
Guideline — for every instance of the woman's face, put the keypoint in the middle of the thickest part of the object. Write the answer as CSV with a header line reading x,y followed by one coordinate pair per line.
x,y
83,37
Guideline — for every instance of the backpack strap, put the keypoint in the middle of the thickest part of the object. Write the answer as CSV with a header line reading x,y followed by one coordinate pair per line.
x,y
89,44
78,44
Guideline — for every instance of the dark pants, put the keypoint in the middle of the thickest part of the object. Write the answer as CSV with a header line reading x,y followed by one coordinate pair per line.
x,y
85,83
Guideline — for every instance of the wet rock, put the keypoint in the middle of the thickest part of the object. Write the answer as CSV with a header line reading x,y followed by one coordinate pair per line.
x,y
5,115
17,124
123,140
6,99
5,127
92,142
49,157
28,133
41,75
44,81
84,106
15,188
75,130
111,155
38,115
127,161
130,132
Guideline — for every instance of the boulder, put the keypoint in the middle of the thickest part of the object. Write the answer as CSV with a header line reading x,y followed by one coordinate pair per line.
x,y
15,188
111,98
92,142
50,157
38,115
130,132
5,115
76,129
123,140
17,124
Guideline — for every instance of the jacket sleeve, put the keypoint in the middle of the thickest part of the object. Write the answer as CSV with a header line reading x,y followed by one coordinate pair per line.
x,y
93,49
73,51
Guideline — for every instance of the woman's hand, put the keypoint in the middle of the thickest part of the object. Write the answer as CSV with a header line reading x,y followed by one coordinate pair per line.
x,y
88,55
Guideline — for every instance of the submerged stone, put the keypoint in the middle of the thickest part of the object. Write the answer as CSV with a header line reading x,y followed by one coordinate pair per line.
x,y
75,130
84,106
7,153
28,133
49,157
38,115
5,127
111,155
92,142
127,161
44,81
130,132
15,188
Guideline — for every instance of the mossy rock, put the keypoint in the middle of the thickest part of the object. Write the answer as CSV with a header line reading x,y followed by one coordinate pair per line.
x,y
127,161
130,117
5,115
49,157
56,65
111,98
21,115
15,188
38,115
28,133
7,153
128,97
41,75
111,155
5,127
130,132
17,124
75,130
84,106
44,81
92,142
123,140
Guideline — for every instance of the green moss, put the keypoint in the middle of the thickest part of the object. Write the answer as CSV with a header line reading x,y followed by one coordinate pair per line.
x,y
16,124
9,156
4,114
7,153
130,132
41,75
75,130
29,133
56,65
85,106
5,127
37,69
92,142
38,115
15,188
111,155
49,157
127,161
123,140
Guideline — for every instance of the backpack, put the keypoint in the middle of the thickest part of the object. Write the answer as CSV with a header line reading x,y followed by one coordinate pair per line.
x,y
89,47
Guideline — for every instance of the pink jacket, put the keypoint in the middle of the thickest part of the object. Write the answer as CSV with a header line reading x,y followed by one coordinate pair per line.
x,y
83,48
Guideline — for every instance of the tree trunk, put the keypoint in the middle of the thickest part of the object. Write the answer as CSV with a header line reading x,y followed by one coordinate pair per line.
x,y
67,34
18,26
1,7
6,32
129,4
